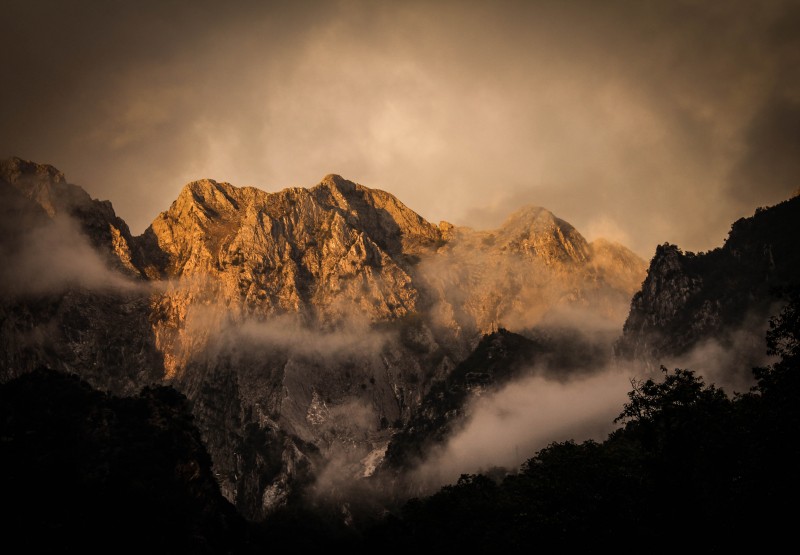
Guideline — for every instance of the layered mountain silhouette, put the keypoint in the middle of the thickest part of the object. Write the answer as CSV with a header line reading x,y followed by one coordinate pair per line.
x,y
322,333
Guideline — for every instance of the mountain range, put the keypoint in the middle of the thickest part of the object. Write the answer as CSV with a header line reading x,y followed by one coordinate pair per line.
x,y
330,334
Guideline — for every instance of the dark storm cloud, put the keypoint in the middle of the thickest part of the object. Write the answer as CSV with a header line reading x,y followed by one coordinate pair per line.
x,y
645,121
770,170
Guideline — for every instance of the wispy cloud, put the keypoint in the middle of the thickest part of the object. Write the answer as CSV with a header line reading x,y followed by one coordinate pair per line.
x,y
507,427
56,256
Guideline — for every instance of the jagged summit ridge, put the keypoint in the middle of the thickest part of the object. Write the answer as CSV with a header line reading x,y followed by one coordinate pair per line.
x,y
297,247
340,247
43,184
15,168
340,241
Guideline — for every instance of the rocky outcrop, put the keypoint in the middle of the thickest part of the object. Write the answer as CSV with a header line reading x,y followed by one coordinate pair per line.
x,y
46,188
726,295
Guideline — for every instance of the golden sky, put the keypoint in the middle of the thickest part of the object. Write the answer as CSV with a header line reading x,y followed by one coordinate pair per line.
x,y
644,122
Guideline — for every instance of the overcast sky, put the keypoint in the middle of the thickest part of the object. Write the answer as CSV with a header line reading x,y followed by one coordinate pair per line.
x,y
641,121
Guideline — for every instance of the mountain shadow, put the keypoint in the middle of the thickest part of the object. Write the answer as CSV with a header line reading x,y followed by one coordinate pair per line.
x,y
85,471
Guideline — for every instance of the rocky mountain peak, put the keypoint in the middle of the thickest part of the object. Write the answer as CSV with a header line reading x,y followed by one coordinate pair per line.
x,y
379,214
47,187
208,193
536,231
527,215
337,181
15,169
43,184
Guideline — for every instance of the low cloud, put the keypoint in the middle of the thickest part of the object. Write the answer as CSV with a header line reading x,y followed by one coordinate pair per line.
x,y
298,334
727,361
290,333
480,284
504,428
509,426
54,257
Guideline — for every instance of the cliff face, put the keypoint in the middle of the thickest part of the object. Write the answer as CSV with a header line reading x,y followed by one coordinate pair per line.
x,y
726,294
305,326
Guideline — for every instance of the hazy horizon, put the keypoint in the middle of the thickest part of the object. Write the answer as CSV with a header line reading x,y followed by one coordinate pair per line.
x,y
640,122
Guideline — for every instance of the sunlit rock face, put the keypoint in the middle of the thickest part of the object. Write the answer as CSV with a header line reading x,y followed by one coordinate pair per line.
x,y
305,325
691,303
304,301
299,250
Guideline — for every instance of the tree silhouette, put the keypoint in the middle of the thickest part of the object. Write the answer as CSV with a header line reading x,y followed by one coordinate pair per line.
x,y
690,468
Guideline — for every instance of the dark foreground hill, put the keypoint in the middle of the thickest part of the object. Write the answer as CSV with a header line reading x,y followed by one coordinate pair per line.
x,y
84,471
